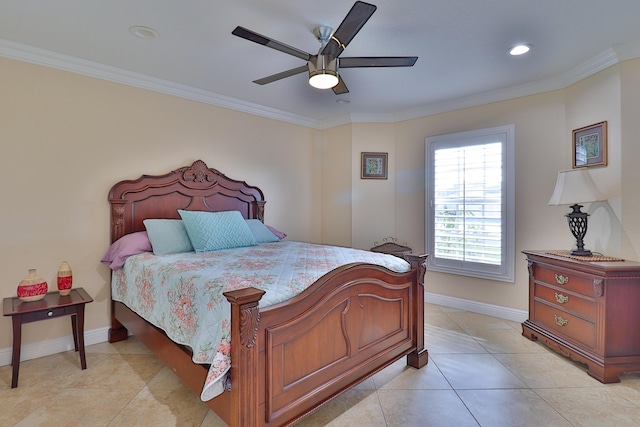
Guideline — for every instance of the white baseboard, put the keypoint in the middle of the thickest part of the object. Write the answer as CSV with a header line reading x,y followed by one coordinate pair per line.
x,y
95,336
56,345
477,307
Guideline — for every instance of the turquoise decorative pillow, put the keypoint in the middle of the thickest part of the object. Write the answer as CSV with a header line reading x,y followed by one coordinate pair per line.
x,y
167,236
212,231
260,231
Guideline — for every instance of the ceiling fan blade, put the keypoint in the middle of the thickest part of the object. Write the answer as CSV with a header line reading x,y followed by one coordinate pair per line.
x,y
349,27
273,44
340,88
377,61
282,75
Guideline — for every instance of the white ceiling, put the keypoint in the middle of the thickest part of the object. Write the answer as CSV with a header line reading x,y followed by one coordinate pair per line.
x,y
461,44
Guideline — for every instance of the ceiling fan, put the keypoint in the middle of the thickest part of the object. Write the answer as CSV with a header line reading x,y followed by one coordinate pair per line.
x,y
323,67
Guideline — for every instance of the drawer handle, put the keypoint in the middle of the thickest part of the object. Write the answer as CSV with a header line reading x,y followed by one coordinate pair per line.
x,y
560,321
50,313
561,280
561,298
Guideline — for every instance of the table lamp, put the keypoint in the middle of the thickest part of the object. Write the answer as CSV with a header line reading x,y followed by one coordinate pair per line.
x,y
573,187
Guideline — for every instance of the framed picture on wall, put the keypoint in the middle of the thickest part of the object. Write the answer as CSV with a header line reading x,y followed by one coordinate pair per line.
x,y
374,166
590,146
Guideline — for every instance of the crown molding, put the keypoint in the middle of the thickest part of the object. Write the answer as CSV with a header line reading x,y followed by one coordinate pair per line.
x,y
72,64
602,61
593,65
626,51
605,59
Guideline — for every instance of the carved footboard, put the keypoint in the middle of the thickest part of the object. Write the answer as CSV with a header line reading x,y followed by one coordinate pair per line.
x,y
353,322
289,359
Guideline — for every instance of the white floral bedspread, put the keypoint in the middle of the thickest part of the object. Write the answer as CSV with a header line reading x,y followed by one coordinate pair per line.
x,y
182,293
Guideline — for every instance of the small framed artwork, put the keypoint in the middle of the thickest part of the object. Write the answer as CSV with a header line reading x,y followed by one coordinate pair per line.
x,y
374,166
590,146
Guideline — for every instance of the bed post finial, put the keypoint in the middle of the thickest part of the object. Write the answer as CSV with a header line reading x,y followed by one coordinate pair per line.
x,y
198,172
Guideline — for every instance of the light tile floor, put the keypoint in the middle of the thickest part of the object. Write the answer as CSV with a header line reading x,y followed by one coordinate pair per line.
x,y
481,372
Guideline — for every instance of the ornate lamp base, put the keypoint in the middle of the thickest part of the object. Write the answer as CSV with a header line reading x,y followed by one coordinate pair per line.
x,y
578,226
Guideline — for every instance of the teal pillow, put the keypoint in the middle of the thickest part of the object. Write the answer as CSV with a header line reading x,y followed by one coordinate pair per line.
x,y
260,231
167,236
212,231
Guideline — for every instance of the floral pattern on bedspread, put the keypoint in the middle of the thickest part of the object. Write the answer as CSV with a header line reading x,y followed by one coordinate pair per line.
x,y
183,293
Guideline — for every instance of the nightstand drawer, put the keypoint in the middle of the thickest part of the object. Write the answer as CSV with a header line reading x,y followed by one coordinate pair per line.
x,y
566,324
567,300
564,280
48,314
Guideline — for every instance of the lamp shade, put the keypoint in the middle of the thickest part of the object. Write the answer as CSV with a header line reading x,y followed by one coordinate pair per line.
x,y
574,186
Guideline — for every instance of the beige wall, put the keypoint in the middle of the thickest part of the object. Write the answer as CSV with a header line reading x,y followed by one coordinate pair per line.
x,y
543,125
67,138
630,149
590,101
539,131
336,186
373,200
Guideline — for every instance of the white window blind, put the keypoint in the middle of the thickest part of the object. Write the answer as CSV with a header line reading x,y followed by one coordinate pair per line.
x,y
467,203
469,211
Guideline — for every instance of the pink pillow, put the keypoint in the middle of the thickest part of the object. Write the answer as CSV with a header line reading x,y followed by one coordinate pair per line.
x,y
124,247
279,234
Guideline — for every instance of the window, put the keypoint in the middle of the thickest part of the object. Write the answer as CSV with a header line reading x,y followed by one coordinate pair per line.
x,y
470,203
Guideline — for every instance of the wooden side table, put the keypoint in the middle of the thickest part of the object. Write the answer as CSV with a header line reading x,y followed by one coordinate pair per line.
x,y
51,306
392,248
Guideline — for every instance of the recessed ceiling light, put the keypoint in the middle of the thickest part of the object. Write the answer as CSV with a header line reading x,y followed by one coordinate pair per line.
x,y
342,101
143,32
520,49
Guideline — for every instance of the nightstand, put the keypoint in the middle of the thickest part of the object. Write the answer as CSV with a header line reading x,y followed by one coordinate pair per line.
x,y
51,306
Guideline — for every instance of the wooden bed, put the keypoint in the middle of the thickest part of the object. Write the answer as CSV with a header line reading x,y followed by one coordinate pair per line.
x,y
364,317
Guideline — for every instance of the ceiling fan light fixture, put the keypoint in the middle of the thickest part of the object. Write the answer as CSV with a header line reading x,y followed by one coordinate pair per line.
x,y
324,79
323,72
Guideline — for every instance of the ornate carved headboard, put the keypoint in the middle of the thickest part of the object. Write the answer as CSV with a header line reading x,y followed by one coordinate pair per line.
x,y
196,187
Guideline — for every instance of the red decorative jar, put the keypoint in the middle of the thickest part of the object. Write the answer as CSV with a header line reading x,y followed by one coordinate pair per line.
x,y
32,287
65,279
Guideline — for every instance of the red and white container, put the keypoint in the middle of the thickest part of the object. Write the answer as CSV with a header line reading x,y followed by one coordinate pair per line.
x,y
65,279
32,287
